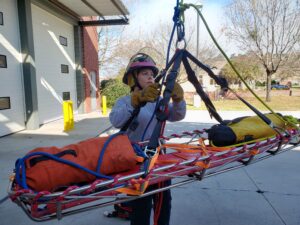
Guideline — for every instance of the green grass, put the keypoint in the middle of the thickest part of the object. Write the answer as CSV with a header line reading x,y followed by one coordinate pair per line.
x,y
278,103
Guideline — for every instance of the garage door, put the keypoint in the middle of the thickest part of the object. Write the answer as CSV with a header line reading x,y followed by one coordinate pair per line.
x,y
11,87
55,63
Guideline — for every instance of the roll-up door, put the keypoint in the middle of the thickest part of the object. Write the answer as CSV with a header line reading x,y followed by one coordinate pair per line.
x,y
55,63
11,83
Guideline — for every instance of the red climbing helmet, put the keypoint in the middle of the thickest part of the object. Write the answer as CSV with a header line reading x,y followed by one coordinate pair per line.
x,y
139,61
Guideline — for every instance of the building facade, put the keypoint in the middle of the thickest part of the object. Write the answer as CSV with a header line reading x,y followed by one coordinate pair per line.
x,y
48,54
208,84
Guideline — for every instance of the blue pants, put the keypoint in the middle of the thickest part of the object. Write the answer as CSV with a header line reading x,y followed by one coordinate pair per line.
x,y
141,208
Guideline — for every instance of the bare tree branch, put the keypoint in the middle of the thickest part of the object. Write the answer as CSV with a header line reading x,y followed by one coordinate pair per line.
x,y
268,28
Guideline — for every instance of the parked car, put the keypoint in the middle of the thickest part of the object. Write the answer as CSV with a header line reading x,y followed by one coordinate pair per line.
x,y
279,87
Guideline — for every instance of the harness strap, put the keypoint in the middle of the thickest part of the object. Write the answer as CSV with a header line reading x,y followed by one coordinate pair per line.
x,y
161,112
193,79
219,80
258,113
134,114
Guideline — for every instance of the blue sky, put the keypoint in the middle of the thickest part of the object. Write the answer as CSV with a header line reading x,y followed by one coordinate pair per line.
x,y
146,14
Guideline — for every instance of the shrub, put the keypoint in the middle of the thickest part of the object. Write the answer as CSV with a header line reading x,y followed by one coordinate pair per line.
x,y
260,84
113,89
274,82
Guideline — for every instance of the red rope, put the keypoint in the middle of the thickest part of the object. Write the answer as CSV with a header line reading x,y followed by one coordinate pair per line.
x,y
158,205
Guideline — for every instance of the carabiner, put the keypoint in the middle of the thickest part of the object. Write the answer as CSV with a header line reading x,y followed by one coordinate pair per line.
x,y
184,44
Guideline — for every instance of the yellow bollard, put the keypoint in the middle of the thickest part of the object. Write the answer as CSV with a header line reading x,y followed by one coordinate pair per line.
x,y
104,106
68,115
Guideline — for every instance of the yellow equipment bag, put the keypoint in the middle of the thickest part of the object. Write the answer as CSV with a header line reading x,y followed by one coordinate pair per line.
x,y
244,129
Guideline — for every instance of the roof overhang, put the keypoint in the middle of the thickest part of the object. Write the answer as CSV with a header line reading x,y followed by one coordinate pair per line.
x,y
107,12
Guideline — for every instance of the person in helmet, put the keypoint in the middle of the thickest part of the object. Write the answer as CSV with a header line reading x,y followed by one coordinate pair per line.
x,y
140,77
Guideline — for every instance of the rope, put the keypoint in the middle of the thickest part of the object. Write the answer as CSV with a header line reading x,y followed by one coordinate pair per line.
x,y
20,165
138,150
231,64
176,18
104,149
105,130
159,200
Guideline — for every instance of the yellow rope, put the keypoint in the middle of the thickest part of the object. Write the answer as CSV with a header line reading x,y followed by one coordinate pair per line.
x,y
232,66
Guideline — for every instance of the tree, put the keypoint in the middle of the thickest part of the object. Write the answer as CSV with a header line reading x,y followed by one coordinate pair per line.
x,y
109,38
290,69
156,45
267,28
246,65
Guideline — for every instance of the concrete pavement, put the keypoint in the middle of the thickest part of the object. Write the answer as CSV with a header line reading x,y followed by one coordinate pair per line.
x,y
265,193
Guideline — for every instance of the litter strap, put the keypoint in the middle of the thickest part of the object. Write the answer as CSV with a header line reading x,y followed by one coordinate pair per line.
x,y
42,156
20,167
20,164
35,160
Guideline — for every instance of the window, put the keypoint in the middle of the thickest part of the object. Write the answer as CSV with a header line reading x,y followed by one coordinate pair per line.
x,y
63,41
3,62
66,96
212,82
4,103
64,68
1,18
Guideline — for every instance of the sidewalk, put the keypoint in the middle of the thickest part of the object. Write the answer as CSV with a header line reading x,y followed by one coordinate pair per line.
x,y
266,193
86,125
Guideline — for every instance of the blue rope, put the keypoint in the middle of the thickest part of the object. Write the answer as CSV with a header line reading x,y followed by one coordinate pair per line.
x,y
20,165
139,151
104,149
177,23
169,45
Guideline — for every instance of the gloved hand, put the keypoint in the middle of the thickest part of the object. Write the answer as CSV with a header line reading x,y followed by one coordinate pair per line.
x,y
148,94
177,93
